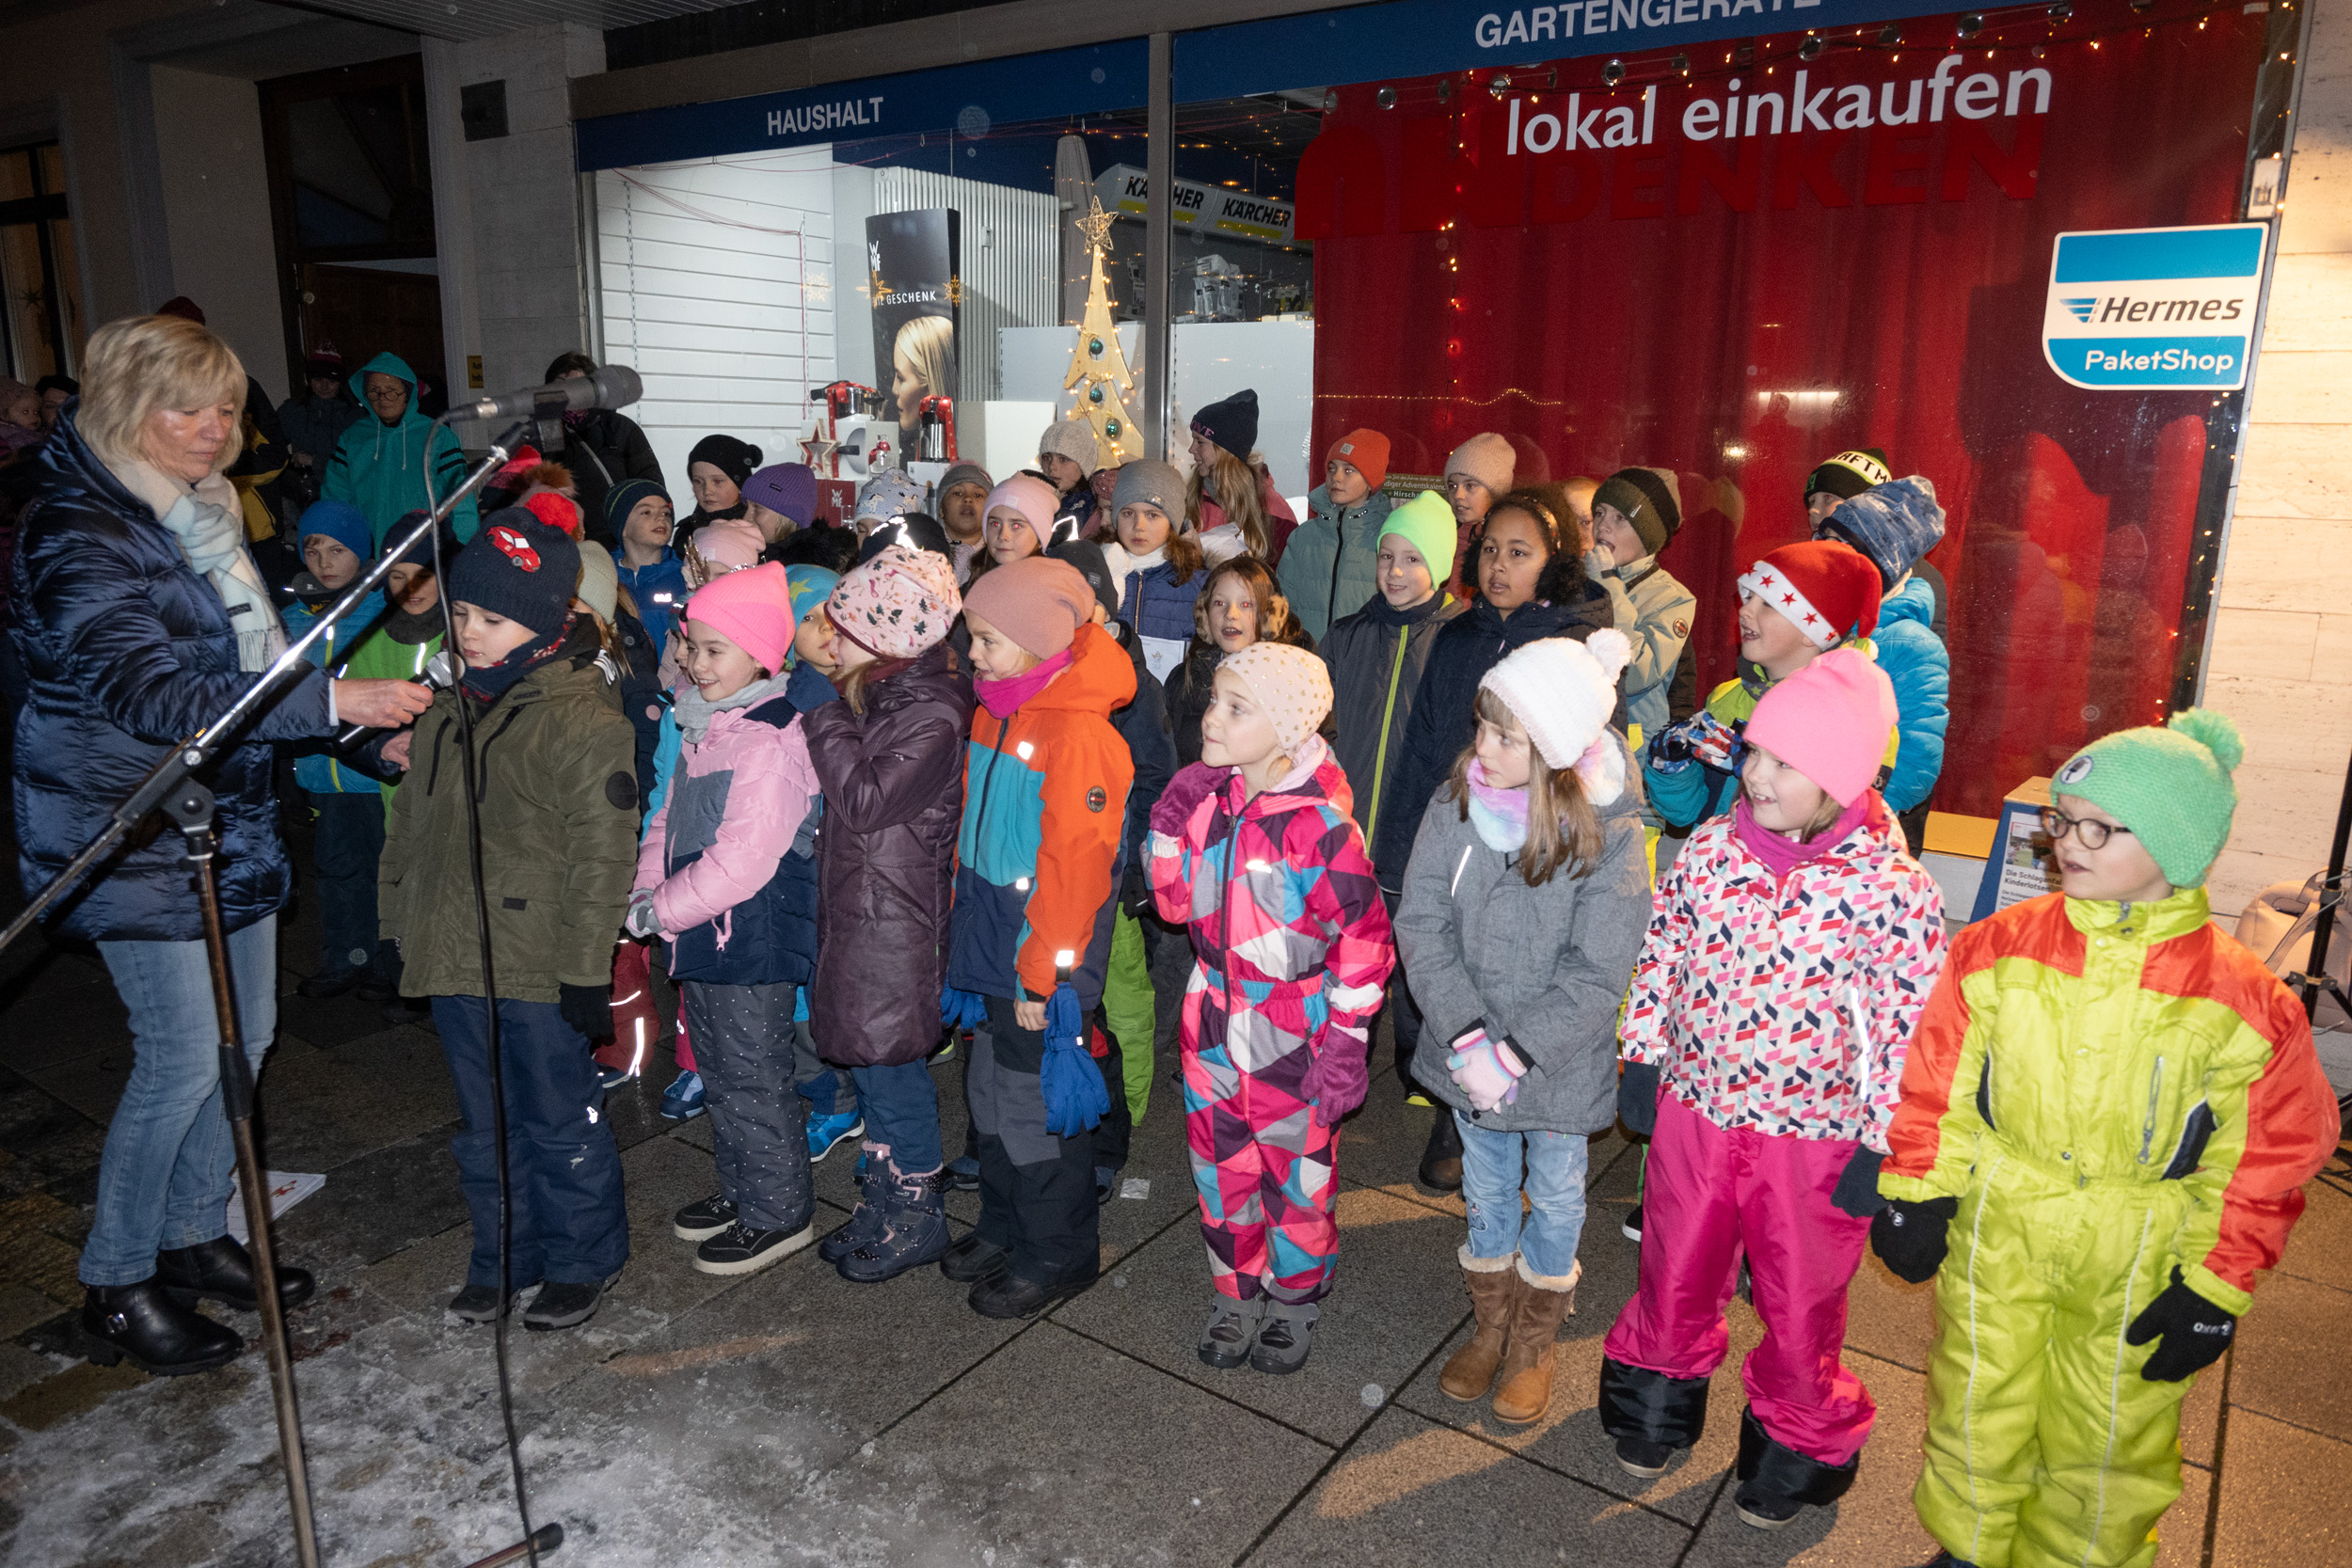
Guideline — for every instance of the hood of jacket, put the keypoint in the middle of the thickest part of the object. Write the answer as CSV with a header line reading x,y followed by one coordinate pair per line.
x,y
386,363
1541,618
1914,601
412,423
1381,614
1314,779
1100,680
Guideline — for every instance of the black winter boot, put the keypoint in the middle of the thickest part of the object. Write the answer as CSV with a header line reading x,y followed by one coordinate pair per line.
x,y
1776,1483
1442,1161
1651,1415
222,1271
160,1336
912,1230
866,1220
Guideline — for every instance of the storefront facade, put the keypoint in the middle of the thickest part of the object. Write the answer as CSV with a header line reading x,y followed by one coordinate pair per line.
x,y
1724,237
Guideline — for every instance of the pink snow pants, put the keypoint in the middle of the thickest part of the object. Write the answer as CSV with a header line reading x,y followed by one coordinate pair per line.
x,y
1711,1195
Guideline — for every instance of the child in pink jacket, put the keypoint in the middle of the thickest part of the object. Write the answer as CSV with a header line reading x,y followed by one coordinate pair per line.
x,y
1791,950
727,872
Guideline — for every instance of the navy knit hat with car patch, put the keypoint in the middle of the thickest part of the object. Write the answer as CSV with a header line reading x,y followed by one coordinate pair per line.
x,y
519,568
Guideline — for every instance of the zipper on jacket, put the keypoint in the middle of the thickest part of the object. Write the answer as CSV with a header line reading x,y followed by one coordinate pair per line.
x,y
1388,715
2148,1127
439,736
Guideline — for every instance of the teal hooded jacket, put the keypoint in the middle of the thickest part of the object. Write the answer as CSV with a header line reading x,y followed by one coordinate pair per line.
x,y
380,469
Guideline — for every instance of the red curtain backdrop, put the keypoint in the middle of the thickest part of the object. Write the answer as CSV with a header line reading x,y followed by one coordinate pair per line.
x,y
1739,309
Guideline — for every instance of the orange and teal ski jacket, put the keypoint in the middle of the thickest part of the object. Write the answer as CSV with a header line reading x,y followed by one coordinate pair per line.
x,y
2111,1046
1045,810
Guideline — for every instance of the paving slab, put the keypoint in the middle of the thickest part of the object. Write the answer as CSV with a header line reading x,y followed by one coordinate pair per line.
x,y
1411,1491
2282,1497
1056,1449
1394,1301
2296,1329
320,1108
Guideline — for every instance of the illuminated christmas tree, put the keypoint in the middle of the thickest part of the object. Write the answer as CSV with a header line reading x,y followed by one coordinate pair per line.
x,y
1097,368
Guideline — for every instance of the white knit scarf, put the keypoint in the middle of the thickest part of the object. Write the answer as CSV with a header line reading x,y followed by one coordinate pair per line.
x,y
208,523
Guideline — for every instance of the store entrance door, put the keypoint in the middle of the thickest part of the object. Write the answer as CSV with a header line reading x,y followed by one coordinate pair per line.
x,y
365,312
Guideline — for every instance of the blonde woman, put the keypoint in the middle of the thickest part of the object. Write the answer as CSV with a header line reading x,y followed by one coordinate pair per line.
x,y
922,364
141,617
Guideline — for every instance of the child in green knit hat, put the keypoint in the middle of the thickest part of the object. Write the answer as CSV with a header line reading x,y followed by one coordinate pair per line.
x,y
2107,1116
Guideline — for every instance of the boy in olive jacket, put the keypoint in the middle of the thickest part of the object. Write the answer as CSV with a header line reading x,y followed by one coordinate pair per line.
x,y
555,774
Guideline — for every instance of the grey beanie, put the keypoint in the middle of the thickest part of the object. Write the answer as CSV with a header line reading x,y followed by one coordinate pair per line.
x,y
966,473
1151,483
1073,440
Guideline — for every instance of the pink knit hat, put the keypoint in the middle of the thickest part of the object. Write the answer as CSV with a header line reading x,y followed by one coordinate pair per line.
x,y
1829,721
1291,684
1033,499
730,544
898,604
752,610
1040,604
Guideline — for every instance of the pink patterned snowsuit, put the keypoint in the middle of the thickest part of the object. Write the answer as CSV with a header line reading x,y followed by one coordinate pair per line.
x,y
1292,948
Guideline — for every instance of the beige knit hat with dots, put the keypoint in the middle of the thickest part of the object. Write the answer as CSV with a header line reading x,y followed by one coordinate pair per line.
x,y
1291,684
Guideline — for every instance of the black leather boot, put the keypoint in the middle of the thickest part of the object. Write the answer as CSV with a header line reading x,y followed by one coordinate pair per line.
x,y
1442,1161
222,1270
160,1336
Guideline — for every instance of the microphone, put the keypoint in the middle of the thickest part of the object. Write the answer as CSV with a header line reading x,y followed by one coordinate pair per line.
x,y
614,387
440,673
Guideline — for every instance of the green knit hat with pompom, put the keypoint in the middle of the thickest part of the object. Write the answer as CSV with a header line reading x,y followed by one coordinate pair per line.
x,y
2171,786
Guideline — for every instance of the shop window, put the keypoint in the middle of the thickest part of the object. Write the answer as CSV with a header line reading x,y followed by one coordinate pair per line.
x,y
41,327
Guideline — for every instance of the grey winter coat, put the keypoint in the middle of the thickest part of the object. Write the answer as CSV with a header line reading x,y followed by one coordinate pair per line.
x,y
1547,966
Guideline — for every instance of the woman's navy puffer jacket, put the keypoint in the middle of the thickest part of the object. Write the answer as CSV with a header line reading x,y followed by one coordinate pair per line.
x,y
129,650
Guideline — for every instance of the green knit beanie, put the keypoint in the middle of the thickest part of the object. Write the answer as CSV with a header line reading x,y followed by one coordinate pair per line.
x,y
2171,786
1426,523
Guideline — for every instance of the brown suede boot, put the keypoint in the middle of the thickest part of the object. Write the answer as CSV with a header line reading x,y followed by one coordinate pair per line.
x,y
1493,1286
1540,1303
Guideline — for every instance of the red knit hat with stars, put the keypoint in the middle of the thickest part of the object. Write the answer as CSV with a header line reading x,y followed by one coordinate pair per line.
x,y
1828,590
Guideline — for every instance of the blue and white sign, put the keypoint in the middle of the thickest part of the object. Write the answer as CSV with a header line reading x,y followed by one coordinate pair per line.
x,y
2153,309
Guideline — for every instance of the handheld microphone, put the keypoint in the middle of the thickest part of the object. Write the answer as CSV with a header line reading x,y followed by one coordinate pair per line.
x,y
439,671
612,386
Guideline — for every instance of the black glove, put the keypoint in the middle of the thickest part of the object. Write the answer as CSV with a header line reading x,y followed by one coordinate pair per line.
x,y
588,1010
1910,1237
1134,893
1637,1097
1858,1184
2194,1331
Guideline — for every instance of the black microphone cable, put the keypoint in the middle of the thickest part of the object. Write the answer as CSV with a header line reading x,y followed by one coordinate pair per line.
x,y
490,1023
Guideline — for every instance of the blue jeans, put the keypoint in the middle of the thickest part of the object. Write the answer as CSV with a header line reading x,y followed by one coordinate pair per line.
x,y
163,1182
1556,1166
902,1108
564,1170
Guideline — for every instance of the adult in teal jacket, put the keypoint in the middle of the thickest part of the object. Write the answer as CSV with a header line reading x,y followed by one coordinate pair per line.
x,y
380,464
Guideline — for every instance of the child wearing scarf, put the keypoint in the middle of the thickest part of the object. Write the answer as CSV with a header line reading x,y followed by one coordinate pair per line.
x,y
1792,947
1523,908
1038,871
555,772
727,875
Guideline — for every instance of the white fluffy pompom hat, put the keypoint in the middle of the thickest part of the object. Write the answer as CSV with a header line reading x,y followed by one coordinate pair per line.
x,y
1562,693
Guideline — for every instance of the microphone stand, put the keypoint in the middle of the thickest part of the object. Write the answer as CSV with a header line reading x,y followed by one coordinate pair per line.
x,y
190,806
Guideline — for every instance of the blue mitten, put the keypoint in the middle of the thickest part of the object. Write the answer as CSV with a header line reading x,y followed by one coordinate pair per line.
x,y
960,1009
1075,1098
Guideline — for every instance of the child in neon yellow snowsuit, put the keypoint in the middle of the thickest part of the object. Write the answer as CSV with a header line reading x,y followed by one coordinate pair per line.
x,y
2108,1112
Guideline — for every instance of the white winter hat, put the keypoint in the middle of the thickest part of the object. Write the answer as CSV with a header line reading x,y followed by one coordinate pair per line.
x,y
1562,692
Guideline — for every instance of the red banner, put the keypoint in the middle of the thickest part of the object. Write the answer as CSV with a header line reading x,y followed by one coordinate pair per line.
x,y
1739,269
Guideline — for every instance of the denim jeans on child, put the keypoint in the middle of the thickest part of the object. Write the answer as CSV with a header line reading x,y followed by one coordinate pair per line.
x,y
1556,1166
163,1182
902,1108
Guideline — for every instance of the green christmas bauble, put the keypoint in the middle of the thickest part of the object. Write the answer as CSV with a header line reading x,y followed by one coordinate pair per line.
x,y
1094,347
1095,393
1110,428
